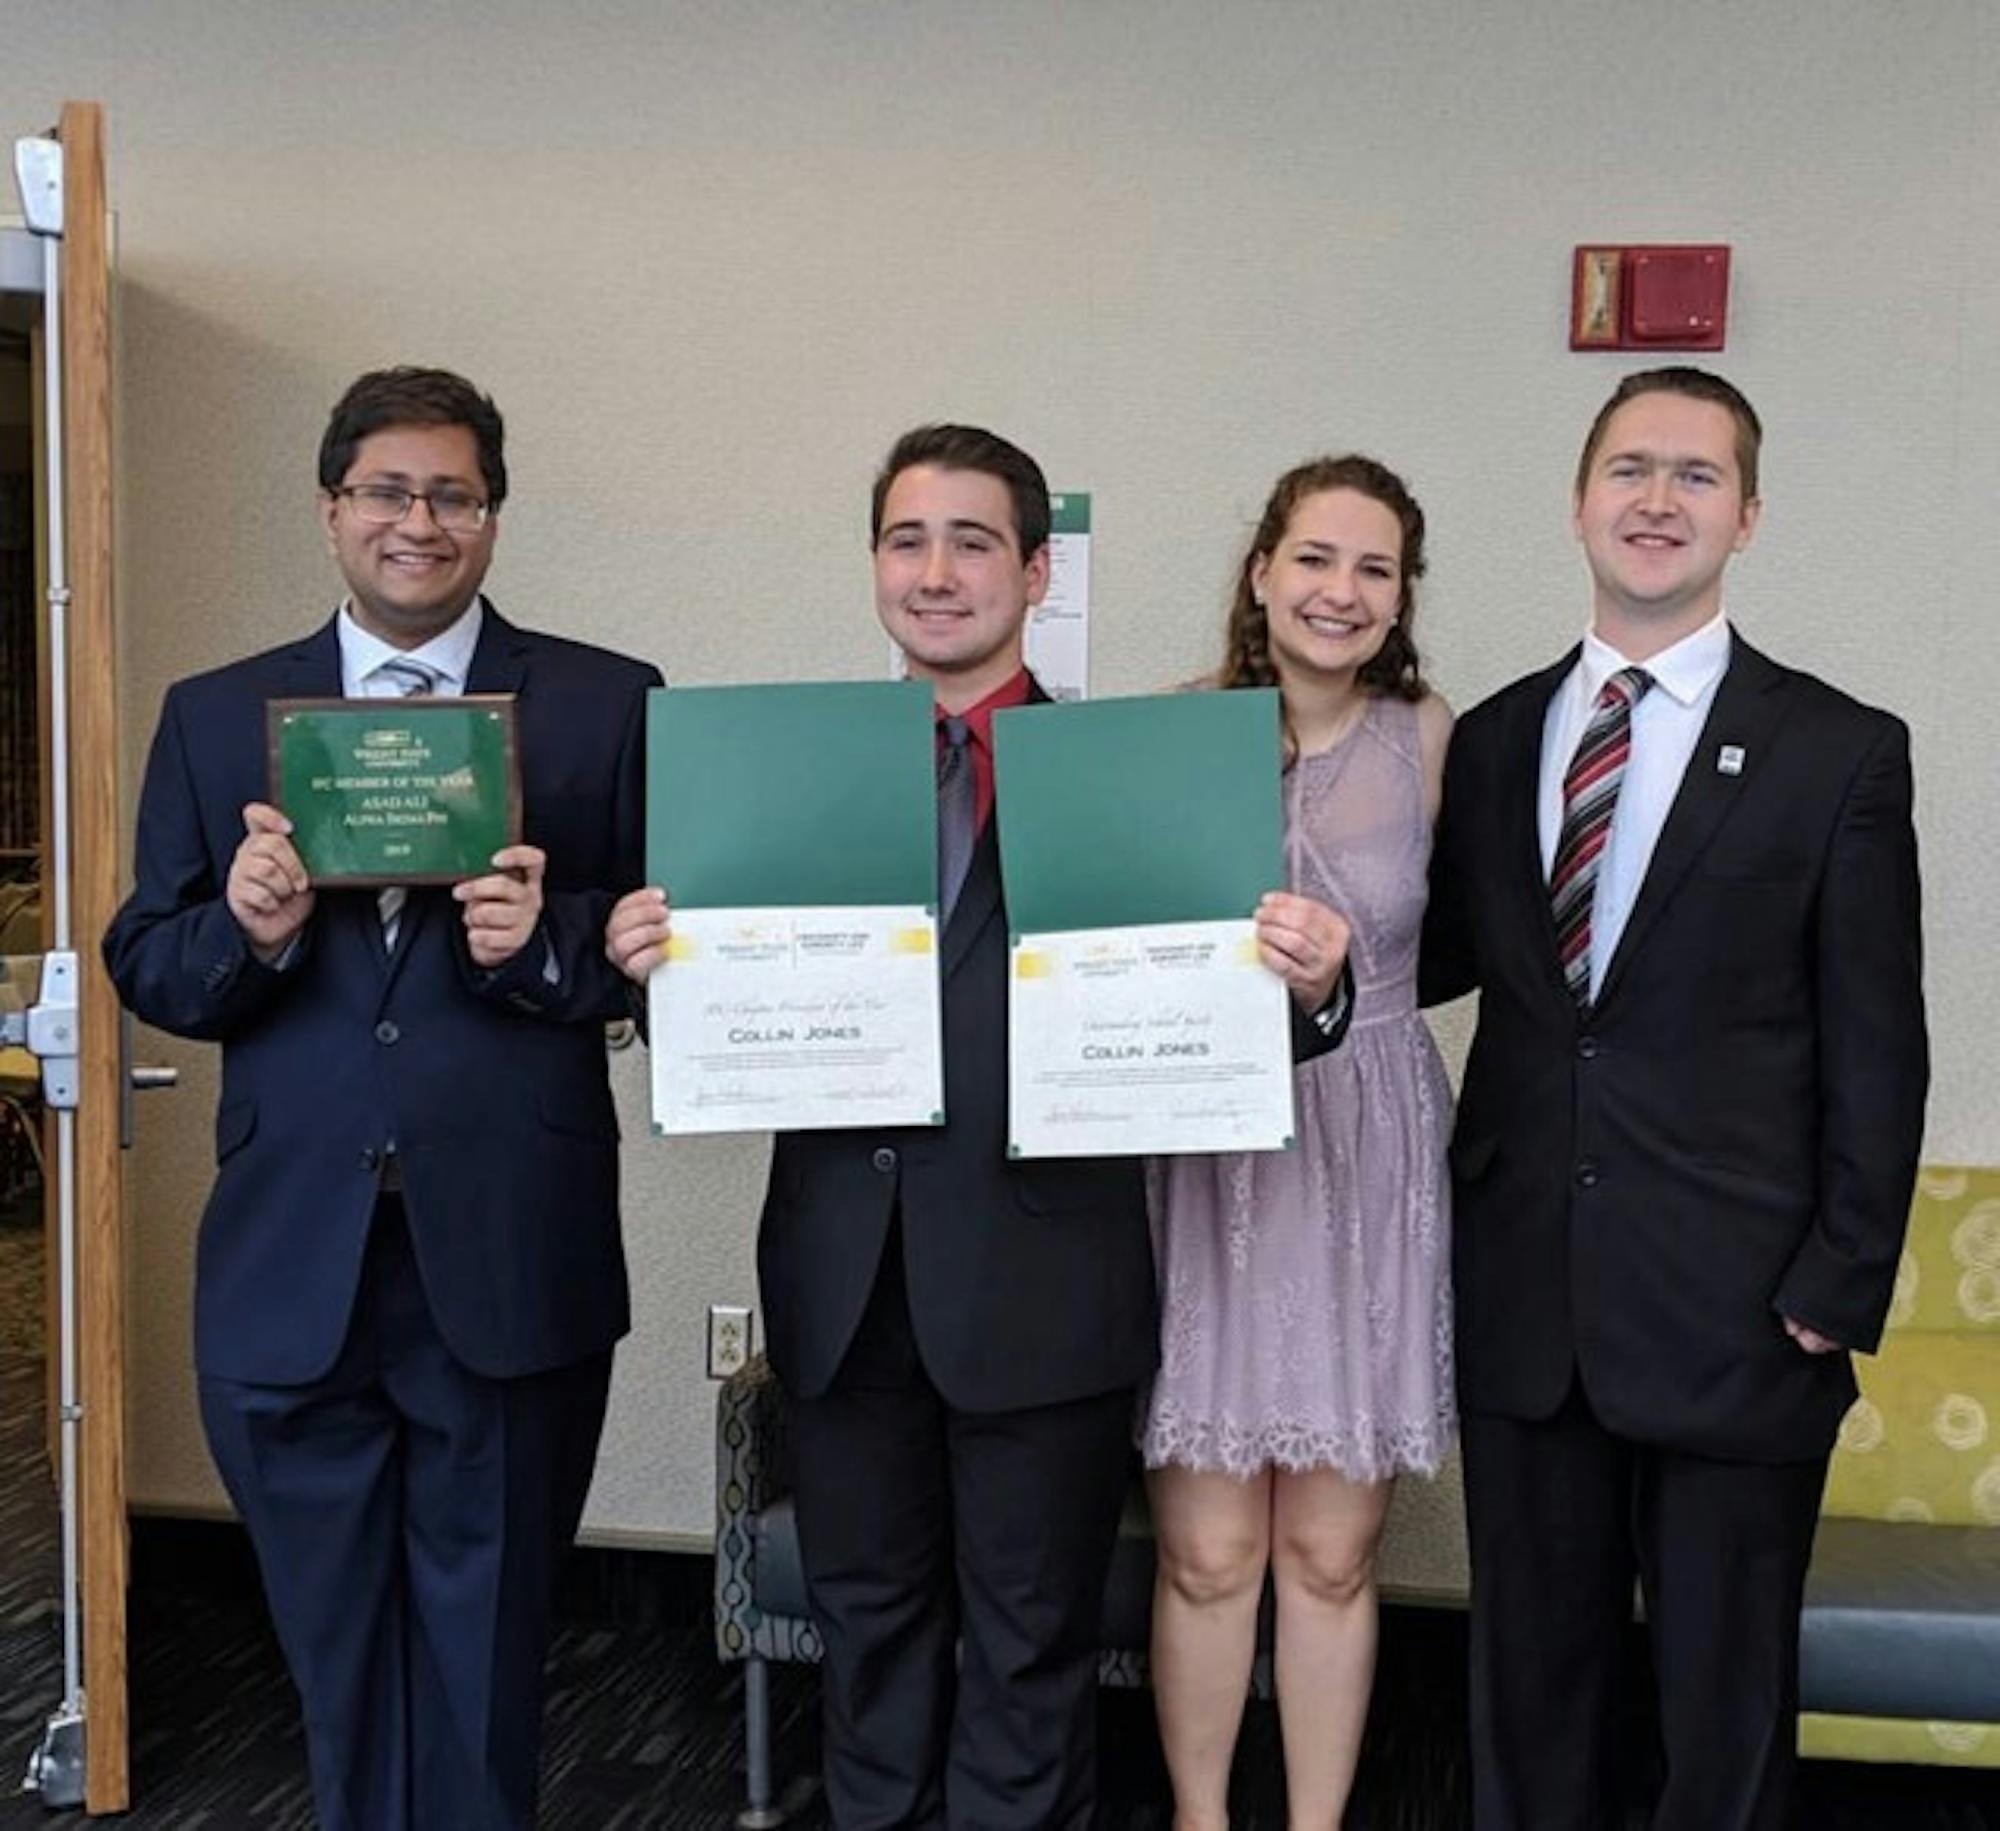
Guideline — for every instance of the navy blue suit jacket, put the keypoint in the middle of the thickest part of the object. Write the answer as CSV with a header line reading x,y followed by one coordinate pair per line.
x,y
491,1085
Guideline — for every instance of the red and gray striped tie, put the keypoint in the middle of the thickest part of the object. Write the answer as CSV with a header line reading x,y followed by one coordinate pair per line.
x,y
1590,799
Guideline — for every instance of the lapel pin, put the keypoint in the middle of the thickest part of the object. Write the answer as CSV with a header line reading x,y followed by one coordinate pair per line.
x,y
1729,760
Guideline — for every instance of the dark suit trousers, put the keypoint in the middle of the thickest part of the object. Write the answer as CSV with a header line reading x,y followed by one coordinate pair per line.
x,y
956,1562
1561,1516
410,1518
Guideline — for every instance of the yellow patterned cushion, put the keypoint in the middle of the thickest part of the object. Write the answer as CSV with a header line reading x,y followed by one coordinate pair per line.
x,y
1949,1278
1923,1440
1898,1739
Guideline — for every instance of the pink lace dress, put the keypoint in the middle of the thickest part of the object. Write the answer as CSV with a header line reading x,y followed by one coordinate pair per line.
x,y
1305,1295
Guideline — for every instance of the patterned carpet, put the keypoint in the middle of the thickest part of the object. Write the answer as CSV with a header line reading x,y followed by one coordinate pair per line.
x,y
643,1727
22,1267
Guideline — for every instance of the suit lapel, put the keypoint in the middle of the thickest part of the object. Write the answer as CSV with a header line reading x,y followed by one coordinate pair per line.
x,y
1520,837
418,908
499,658
1747,711
978,900
310,668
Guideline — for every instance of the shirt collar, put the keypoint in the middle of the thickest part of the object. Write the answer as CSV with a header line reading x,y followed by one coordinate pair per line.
x,y
979,716
1684,671
449,651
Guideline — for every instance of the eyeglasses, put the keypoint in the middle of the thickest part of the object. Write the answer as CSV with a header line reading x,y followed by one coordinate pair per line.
x,y
454,511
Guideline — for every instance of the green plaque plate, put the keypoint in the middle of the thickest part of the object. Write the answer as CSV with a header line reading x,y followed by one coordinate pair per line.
x,y
396,791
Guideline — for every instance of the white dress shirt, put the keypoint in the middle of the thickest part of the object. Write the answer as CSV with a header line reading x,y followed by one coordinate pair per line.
x,y
1666,725
448,655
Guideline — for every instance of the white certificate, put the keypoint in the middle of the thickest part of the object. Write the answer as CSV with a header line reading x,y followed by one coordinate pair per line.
x,y
797,1020
1166,1038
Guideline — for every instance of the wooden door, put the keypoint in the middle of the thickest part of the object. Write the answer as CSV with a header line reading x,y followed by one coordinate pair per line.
x,y
94,877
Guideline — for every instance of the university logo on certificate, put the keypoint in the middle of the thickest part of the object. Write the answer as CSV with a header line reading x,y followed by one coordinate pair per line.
x,y
794,829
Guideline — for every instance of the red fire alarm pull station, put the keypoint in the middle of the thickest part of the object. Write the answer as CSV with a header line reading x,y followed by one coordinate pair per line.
x,y
1649,297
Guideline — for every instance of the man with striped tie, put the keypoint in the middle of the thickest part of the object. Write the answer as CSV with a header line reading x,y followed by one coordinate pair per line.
x,y
1683,880
410,1275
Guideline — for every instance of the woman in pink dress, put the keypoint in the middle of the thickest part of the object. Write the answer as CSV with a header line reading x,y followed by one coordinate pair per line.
x,y
1304,1294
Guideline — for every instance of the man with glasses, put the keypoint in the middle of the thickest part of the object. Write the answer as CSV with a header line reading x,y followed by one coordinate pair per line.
x,y
410,1276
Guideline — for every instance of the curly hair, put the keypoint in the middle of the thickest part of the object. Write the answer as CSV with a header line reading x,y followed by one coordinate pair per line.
x,y
1394,670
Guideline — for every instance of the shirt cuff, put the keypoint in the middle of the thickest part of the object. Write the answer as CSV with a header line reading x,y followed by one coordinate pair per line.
x,y
1331,1017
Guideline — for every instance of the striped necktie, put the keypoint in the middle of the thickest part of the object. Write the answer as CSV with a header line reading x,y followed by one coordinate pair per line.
x,y
1590,799
412,679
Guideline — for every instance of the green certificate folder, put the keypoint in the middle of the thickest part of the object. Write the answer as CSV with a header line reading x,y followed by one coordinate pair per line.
x,y
1122,812
1136,838
794,827
775,797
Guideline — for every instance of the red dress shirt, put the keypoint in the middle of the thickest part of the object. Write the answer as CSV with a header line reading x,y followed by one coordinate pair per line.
x,y
979,723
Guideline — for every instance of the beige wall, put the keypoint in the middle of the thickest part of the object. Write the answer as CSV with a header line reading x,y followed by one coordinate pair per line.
x,y
712,258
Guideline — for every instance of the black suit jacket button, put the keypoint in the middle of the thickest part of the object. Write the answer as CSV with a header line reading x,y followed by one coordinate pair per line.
x,y
1586,1048
1587,1174
371,1158
386,1033
884,1159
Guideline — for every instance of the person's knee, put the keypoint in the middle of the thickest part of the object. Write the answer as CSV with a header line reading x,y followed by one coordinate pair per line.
x,y
1333,1572
1210,1568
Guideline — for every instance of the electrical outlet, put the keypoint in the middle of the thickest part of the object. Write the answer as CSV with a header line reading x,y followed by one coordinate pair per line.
x,y
728,1339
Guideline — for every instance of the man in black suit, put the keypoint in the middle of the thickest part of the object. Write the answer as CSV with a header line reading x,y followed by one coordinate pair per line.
x,y
961,1335
410,1276
1683,879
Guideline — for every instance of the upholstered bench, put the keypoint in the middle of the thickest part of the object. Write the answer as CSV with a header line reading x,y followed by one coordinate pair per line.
x,y
1899,1654
760,1602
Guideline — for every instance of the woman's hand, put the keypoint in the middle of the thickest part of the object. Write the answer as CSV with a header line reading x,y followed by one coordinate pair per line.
x,y
1304,943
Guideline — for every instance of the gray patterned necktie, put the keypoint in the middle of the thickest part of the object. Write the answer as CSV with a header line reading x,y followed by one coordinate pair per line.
x,y
957,813
413,680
